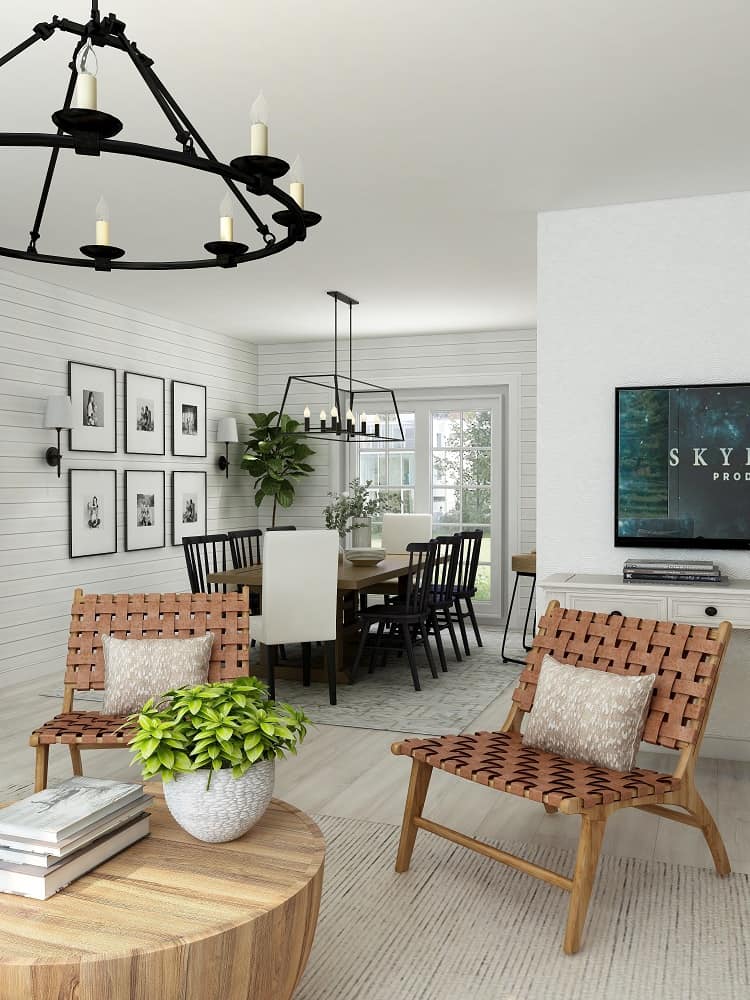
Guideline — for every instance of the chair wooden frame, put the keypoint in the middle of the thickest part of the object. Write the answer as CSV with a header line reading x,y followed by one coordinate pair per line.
x,y
135,616
687,661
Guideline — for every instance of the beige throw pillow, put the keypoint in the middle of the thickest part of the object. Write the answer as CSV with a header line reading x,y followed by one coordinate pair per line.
x,y
138,669
588,714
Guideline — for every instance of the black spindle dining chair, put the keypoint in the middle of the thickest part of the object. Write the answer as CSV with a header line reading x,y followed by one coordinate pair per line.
x,y
205,554
443,592
466,584
407,620
244,546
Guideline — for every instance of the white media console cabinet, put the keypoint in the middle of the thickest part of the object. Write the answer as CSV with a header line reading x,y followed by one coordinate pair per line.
x,y
728,733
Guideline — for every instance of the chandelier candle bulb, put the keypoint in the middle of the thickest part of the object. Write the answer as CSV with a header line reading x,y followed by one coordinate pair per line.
x,y
322,420
363,423
297,182
85,93
259,126
226,220
334,419
306,416
102,223
377,428
349,422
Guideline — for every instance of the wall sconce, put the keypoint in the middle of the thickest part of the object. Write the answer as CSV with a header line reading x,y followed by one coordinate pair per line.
x,y
58,414
226,434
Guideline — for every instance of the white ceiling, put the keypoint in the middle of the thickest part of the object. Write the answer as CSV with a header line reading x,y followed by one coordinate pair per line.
x,y
432,133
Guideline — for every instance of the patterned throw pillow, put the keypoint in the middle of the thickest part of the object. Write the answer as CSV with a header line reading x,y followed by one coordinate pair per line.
x,y
588,714
138,669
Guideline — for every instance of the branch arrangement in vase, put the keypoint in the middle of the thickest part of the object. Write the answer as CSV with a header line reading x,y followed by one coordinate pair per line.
x,y
359,501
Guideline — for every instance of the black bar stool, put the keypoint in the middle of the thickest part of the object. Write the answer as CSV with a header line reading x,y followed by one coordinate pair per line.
x,y
523,565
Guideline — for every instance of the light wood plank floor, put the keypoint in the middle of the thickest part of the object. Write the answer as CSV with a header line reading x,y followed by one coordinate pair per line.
x,y
351,773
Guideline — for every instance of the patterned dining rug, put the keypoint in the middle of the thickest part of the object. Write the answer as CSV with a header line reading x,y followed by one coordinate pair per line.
x,y
461,927
386,699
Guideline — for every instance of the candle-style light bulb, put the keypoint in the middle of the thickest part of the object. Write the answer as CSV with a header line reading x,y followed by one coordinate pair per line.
x,y
259,126
297,182
226,220
102,223
349,421
306,415
87,65
322,420
334,413
363,423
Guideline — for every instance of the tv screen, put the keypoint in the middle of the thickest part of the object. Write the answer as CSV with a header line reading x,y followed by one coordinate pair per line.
x,y
682,468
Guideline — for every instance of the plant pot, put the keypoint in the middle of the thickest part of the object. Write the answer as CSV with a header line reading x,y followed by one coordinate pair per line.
x,y
227,809
361,532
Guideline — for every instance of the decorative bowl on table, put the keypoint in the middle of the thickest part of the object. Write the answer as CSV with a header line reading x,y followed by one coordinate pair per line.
x,y
365,557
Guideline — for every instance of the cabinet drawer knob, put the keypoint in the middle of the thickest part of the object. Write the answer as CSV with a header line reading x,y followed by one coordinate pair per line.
x,y
617,613
711,611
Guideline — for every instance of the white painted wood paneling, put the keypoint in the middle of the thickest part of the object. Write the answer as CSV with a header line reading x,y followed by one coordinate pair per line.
x,y
42,327
435,359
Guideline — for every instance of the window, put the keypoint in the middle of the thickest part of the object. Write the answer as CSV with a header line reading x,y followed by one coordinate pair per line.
x,y
461,484
390,465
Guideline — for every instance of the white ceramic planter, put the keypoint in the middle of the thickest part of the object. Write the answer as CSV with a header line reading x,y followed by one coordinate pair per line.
x,y
226,810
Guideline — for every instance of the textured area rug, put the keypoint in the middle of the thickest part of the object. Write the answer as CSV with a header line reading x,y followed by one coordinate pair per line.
x,y
386,699
461,927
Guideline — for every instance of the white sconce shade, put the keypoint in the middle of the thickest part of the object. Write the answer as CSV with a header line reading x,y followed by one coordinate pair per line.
x,y
58,412
226,431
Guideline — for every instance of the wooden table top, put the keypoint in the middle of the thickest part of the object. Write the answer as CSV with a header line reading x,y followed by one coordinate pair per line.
x,y
163,893
350,577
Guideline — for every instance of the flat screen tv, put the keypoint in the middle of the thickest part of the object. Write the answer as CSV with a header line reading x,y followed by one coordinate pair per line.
x,y
682,466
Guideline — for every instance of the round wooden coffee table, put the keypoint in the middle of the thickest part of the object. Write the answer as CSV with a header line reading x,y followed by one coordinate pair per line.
x,y
172,917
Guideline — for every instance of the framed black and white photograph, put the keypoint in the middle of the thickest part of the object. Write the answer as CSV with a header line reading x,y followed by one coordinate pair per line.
x,y
144,509
92,391
189,501
144,414
92,512
188,419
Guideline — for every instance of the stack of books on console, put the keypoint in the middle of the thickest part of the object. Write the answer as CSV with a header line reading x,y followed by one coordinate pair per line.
x,y
671,571
53,837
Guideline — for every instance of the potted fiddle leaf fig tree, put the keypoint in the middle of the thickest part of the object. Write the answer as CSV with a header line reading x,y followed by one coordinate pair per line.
x,y
276,457
214,746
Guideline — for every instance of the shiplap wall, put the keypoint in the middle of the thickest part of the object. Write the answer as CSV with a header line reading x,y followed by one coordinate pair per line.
x,y
434,357
42,327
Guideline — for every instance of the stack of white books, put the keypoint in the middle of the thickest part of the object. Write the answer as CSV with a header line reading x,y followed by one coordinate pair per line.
x,y
53,837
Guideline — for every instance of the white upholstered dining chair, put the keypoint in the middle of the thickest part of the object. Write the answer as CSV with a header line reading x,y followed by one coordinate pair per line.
x,y
400,529
300,579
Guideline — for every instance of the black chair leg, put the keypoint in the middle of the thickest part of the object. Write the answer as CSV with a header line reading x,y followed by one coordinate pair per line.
x,y
306,663
375,646
473,617
435,624
266,659
408,646
330,653
361,648
460,620
282,651
424,632
452,633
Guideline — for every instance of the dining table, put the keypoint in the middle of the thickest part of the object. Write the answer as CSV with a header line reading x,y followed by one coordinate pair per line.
x,y
352,581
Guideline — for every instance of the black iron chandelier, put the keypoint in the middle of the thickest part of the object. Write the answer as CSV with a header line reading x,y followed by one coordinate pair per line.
x,y
89,132
346,422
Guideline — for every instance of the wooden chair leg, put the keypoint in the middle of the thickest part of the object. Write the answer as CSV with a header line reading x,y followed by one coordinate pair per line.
x,y
375,646
364,634
435,625
409,647
473,618
40,768
425,634
330,653
419,782
549,809
452,634
589,846
306,663
75,759
710,831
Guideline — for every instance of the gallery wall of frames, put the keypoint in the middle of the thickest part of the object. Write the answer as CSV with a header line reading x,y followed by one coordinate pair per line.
x,y
156,415
44,327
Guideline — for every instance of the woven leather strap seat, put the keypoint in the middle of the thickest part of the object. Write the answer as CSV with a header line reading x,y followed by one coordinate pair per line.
x,y
501,761
85,728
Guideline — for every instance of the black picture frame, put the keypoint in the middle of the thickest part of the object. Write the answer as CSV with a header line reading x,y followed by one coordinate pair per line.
x,y
160,475
72,474
76,433
130,432
179,396
202,522
656,541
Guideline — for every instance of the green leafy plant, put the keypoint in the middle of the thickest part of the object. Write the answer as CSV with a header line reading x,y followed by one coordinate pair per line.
x,y
359,501
275,456
231,724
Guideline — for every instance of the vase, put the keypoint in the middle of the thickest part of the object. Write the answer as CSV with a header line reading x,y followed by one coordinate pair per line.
x,y
361,532
225,810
